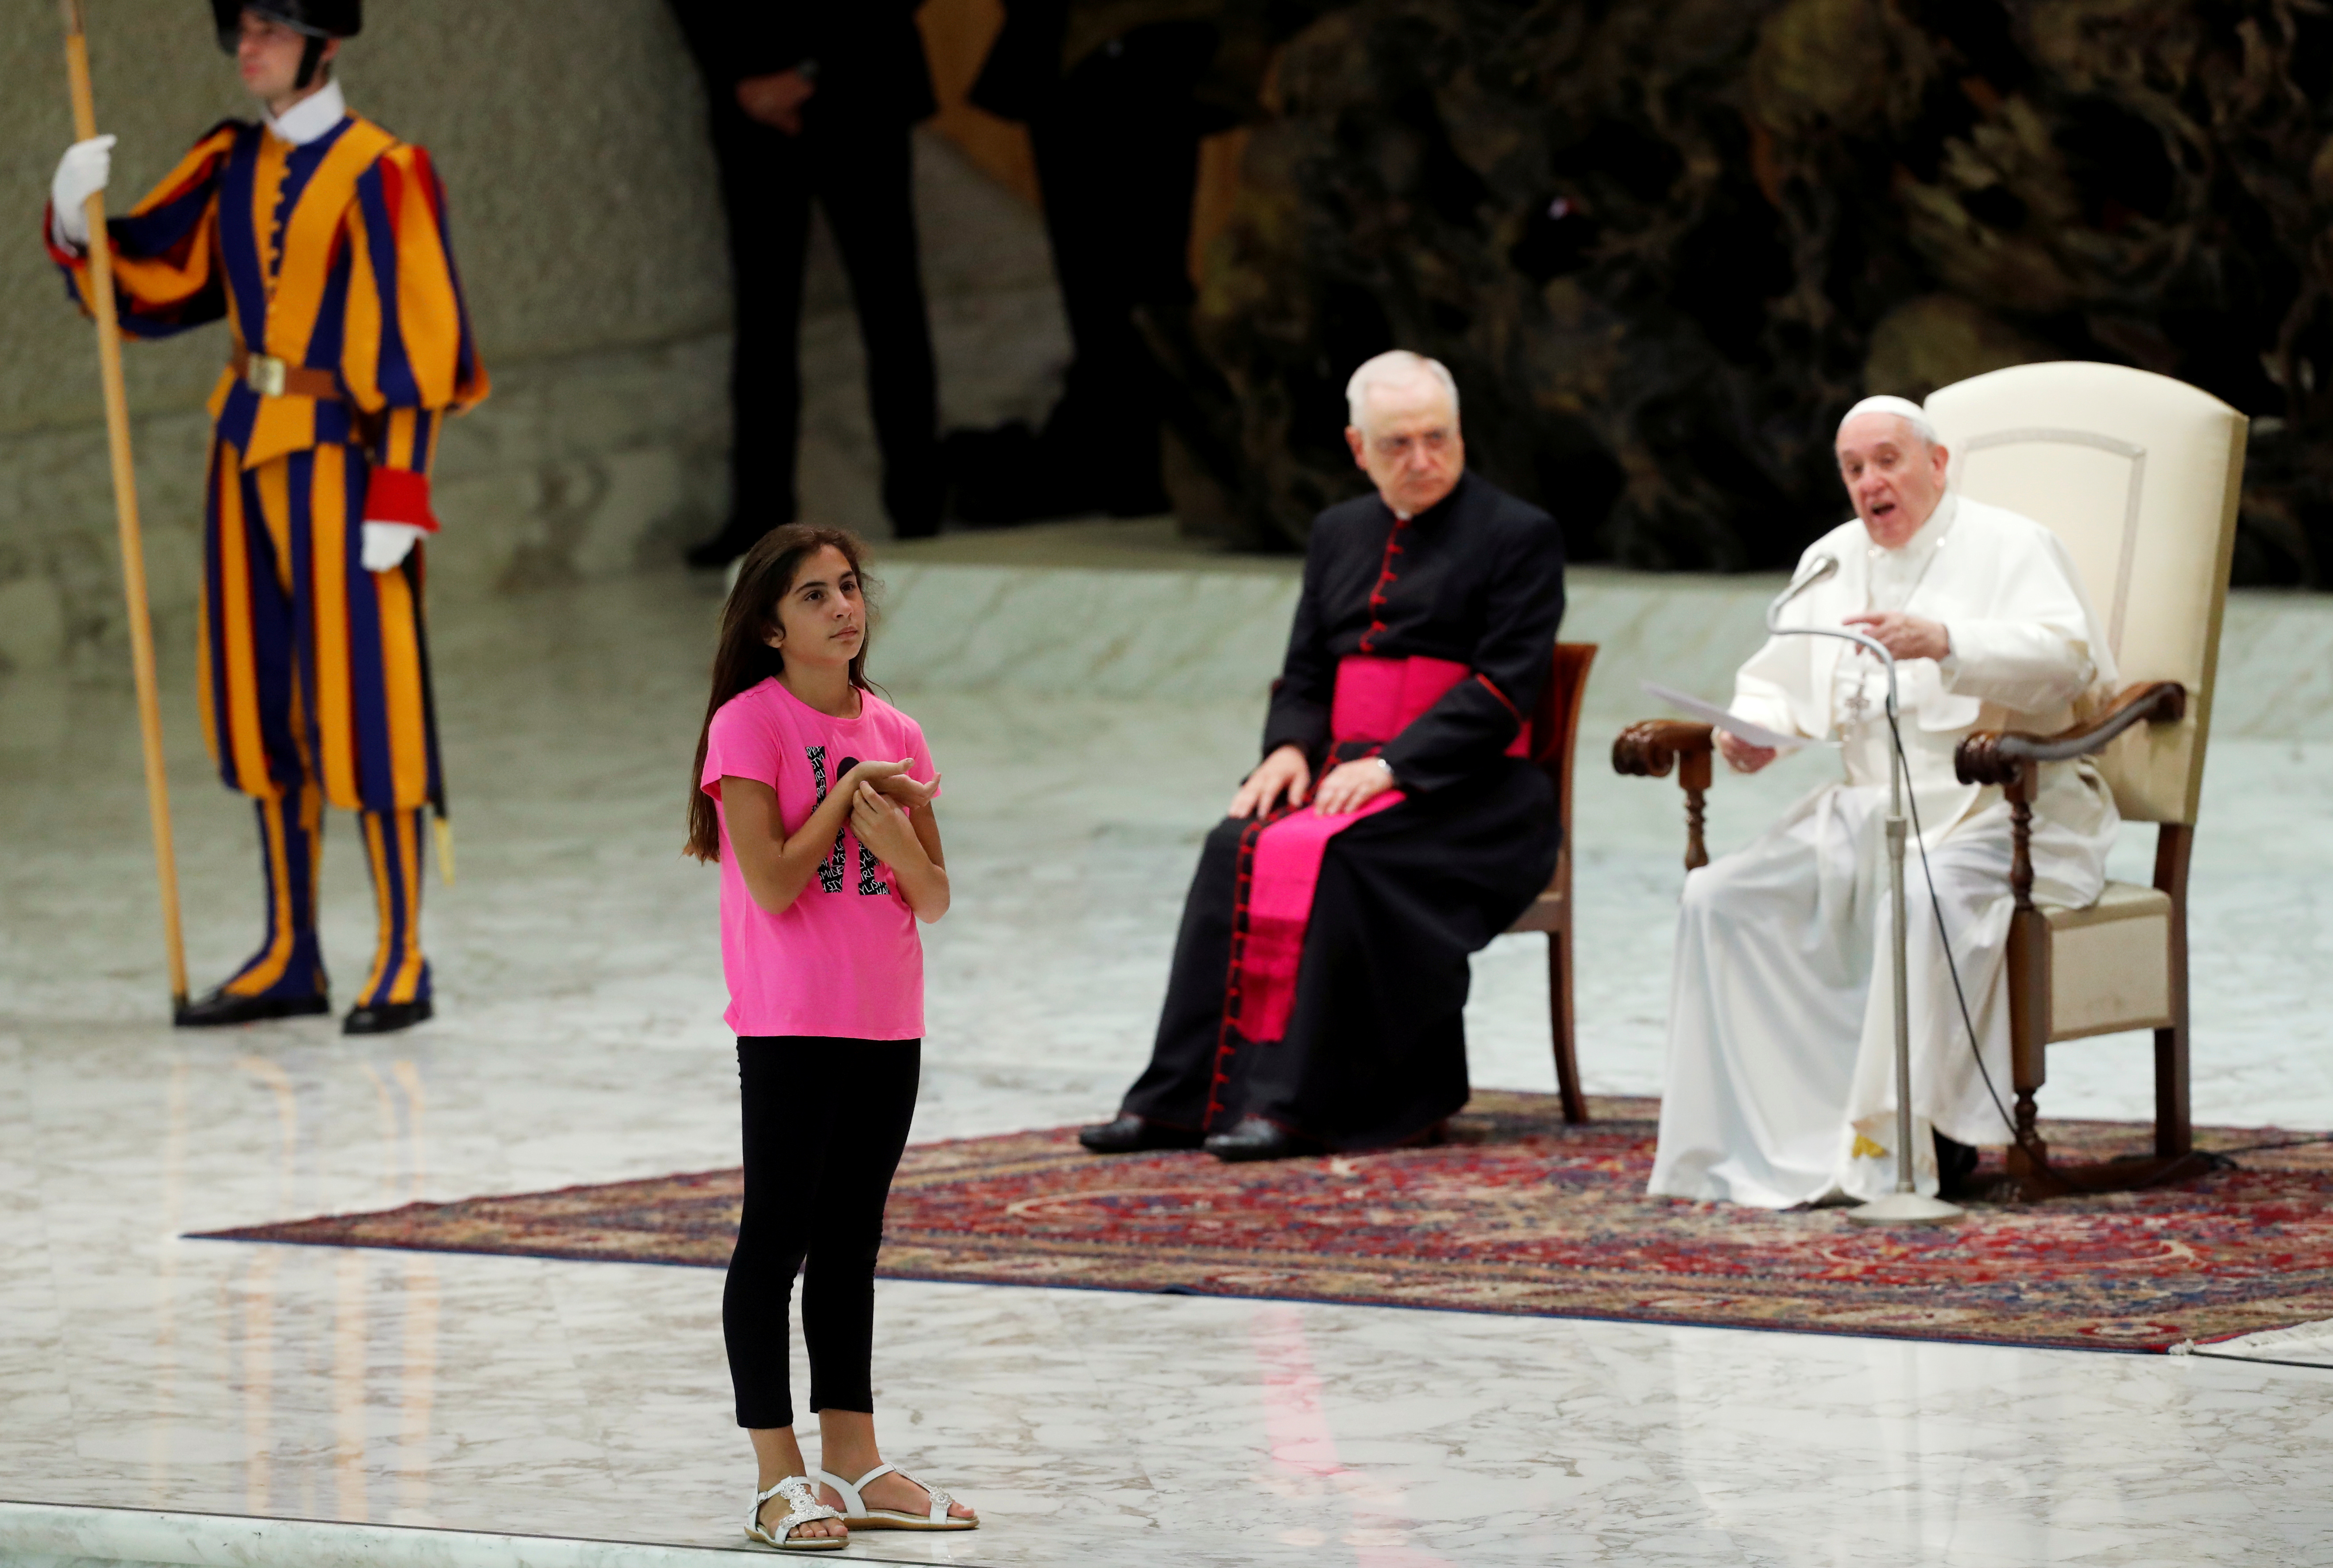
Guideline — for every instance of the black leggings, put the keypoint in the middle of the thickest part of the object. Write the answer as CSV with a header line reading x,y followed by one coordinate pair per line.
x,y
825,1120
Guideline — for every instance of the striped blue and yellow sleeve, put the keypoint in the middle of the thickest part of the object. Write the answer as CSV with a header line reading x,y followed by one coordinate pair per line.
x,y
408,357
165,251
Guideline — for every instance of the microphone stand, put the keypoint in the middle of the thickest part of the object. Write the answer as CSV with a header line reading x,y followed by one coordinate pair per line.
x,y
1906,1205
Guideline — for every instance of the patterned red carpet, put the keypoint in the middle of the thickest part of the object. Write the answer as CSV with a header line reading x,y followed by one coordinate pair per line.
x,y
1517,1214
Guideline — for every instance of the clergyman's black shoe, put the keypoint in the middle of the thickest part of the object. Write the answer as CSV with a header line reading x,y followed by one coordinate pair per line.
x,y
1256,1139
386,1017
1130,1134
224,1006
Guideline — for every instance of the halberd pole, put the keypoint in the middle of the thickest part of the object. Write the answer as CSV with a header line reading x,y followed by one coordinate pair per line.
x,y
125,508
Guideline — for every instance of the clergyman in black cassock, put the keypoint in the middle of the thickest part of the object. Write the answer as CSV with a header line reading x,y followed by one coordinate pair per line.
x,y
1373,1051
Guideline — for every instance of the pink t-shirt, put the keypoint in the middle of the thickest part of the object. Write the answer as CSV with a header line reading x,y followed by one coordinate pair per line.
x,y
844,958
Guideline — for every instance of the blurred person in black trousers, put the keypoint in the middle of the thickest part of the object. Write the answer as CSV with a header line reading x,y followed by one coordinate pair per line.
x,y
1116,94
819,101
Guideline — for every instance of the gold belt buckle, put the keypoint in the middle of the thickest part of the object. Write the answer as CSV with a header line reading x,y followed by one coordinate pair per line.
x,y
264,374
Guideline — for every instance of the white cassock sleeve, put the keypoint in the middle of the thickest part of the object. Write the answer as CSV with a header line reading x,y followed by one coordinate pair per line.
x,y
1763,686
2034,652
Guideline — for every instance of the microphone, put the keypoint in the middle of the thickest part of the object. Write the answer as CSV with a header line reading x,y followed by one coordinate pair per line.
x,y
1821,569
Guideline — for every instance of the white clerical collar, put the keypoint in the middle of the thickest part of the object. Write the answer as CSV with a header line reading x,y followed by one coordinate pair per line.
x,y
312,116
1925,537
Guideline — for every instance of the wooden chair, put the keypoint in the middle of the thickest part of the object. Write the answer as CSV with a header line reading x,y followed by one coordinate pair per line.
x,y
1555,735
2140,475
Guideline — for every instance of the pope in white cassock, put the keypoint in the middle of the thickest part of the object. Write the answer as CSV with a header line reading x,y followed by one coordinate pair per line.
x,y
1781,1079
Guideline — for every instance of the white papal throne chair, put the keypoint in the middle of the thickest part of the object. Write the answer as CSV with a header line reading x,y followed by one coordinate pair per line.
x,y
2139,474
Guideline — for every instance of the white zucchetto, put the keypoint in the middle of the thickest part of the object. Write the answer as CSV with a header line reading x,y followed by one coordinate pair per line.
x,y
1902,408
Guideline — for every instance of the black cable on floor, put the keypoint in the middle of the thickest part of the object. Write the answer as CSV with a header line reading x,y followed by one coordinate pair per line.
x,y
2287,1143
2261,1360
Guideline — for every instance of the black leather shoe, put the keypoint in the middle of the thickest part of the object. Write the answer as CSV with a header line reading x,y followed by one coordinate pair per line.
x,y
1256,1139
386,1017
223,1007
1130,1134
1955,1163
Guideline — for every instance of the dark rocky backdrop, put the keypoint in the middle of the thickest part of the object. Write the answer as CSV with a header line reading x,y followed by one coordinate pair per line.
x,y
1664,243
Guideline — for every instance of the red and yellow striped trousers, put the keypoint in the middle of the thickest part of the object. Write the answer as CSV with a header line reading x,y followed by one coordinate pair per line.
x,y
315,689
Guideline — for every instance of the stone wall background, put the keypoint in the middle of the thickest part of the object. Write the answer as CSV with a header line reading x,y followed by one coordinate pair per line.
x,y
1664,244
588,229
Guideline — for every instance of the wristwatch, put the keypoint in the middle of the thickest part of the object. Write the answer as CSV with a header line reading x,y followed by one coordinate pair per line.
x,y
1388,769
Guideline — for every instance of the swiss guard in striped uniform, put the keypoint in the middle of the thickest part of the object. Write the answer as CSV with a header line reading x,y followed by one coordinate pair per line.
x,y
322,239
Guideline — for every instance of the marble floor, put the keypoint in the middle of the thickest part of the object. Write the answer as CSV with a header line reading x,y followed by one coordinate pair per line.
x,y
579,1041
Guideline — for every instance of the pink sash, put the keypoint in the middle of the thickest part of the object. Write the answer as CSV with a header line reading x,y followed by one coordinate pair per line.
x,y
1376,700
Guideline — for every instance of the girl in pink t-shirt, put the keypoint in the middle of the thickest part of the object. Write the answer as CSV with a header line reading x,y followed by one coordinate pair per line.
x,y
815,797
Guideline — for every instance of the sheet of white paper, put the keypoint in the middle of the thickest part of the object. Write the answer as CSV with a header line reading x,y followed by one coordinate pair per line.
x,y
1710,713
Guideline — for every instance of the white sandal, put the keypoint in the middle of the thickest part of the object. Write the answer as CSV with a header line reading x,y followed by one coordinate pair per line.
x,y
857,1516
803,1508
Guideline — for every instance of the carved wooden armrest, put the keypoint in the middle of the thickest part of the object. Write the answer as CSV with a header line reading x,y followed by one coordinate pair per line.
x,y
1998,757
2013,759
1650,748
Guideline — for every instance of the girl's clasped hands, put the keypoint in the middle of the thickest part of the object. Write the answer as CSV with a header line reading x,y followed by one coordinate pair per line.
x,y
882,794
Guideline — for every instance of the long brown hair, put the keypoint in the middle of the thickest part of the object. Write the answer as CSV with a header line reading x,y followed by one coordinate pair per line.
x,y
742,660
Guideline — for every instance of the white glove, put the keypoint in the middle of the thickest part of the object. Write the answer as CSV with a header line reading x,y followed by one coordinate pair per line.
x,y
81,173
386,545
